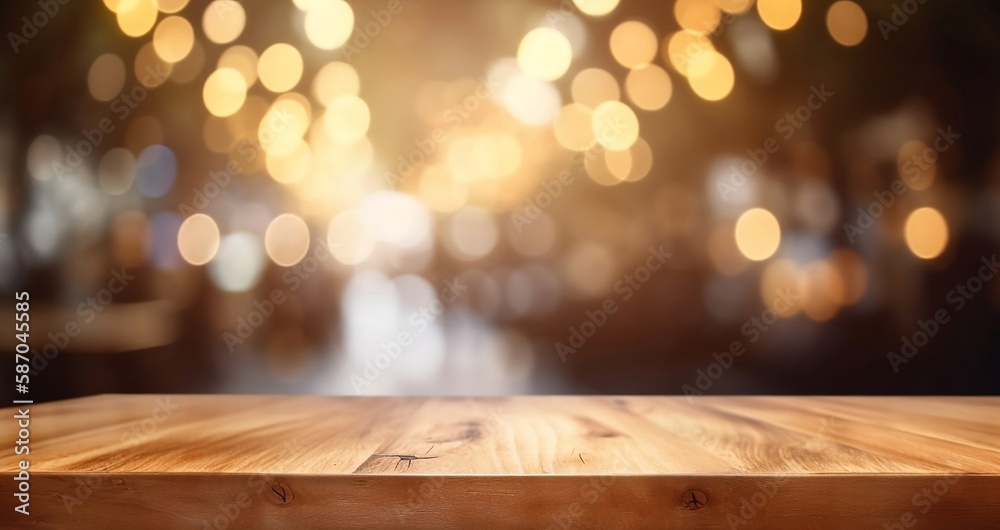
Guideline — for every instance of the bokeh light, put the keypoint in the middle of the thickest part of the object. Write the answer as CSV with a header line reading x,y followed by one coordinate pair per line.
x,y
224,92
328,23
544,53
346,119
649,87
198,239
287,239
926,233
173,39
594,86
615,125
223,21
596,8
779,14
699,16
168,6
757,234
471,234
572,127
239,263
711,76
106,77
280,67
633,44
335,80
846,22
116,171
156,170
136,17
242,59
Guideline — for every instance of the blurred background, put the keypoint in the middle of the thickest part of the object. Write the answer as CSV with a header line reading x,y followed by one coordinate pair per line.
x,y
493,197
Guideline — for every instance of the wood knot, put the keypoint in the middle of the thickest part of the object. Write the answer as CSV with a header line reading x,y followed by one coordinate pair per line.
x,y
279,493
694,500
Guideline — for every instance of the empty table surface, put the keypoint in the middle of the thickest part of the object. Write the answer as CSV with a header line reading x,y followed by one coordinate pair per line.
x,y
199,461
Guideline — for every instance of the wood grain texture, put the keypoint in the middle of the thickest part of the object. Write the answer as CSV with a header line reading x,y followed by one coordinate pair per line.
x,y
123,461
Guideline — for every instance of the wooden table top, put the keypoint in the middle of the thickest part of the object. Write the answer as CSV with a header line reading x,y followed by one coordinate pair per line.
x,y
667,457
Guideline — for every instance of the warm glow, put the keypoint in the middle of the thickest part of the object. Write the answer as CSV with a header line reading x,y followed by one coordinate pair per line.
x,y
682,47
198,239
615,126
472,233
335,80
699,16
530,100
779,14
292,166
649,87
782,280
619,163
173,39
351,237
597,168
283,125
594,86
633,44
136,17
642,160
926,233
757,234
329,23
734,7
572,127
224,92
846,22
171,6
347,119
915,169
711,76
824,288
853,273
242,59
106,77
544,53
146,60
223,21
280,67
596,8
287,239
